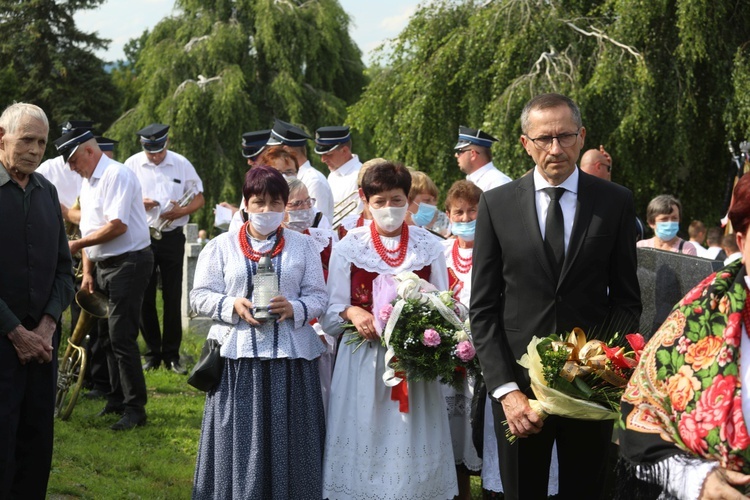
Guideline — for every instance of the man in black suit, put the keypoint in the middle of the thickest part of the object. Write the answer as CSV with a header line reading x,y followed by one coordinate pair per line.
x,y
554,250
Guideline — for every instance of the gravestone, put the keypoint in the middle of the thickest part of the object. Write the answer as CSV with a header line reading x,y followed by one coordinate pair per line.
x,y
664,278
190,321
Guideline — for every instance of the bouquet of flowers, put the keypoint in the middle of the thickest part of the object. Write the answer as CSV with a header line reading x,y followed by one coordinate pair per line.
x,y
425,331
579,378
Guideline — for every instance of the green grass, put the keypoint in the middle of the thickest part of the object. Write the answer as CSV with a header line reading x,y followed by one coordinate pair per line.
x,y
155,462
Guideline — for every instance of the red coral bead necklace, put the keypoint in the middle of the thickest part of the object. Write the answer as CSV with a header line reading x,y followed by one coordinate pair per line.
x,y
255,255
400,250
462,265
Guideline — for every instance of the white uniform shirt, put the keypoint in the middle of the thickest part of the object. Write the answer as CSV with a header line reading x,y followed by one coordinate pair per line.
x,y
113,192
67,182
343,180
164,182
318,188
488,177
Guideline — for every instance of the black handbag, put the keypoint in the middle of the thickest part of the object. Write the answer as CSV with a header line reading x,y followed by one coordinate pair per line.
x,y
206,373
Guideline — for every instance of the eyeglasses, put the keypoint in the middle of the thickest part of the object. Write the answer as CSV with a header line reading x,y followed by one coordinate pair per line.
x,y
459,152
296,205
545,142
609,167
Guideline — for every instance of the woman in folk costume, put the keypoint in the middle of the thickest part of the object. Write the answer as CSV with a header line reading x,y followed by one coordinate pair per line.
x,y
374,449
299,216
363,218
686,410
263,425
461,207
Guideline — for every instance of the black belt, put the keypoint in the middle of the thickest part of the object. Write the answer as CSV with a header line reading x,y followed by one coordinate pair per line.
x,y
119,259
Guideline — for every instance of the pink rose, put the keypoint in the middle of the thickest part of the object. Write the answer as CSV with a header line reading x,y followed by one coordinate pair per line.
x,y
431,338
733,330
735,431
697,291
692,434
465,351
385,313
716,401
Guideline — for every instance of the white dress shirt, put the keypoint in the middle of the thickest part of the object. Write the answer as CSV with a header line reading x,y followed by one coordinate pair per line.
x,y
164,182
113,192
343,180
568,203
488,177
712,252
318,188
67,182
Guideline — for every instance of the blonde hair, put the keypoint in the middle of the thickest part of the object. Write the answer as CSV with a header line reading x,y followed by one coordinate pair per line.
x,y
421,183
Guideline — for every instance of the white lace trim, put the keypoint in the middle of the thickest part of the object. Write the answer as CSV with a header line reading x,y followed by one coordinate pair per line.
x,y
359,249
321,238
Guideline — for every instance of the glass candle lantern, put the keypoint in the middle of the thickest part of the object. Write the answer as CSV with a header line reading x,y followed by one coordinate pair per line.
x,y
265,287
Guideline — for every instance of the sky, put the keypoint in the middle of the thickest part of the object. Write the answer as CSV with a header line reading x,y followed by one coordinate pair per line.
x,y
122,20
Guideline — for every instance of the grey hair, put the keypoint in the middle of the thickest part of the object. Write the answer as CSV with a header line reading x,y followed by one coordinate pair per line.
x,y
546,101
662,205
12,116
294,185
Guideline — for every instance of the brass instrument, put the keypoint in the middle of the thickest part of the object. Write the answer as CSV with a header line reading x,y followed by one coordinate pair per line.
x,y
162,224
344,207
74,232
72,365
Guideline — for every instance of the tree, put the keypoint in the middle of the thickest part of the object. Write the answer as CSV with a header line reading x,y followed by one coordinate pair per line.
x,y
219,69
48,61
656,82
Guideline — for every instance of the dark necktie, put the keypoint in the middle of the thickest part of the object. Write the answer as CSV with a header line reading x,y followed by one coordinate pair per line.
x,y
554,233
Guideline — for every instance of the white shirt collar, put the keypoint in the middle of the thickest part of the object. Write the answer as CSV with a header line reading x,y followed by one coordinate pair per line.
x,y
478,173
570,184
348,167
104,161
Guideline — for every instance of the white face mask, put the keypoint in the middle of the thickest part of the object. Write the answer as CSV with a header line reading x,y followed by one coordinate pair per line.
x,y
389,218
299,220
265,222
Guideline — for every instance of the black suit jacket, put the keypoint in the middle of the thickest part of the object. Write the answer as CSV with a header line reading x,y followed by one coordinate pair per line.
x,y
514,295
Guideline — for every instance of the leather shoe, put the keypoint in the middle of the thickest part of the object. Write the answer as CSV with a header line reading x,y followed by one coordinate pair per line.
x,y
95,394
129,420
112,409
176,367
151,364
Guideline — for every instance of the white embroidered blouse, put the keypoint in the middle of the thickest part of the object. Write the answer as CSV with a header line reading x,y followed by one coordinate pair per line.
x,y
358,249
223,274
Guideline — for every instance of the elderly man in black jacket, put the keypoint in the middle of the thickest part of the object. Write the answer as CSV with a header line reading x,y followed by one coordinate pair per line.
x,y
36,285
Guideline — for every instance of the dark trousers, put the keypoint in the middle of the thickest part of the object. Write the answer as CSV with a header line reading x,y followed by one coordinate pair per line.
x,y
123,280
164,345
582,449
27,408
98,371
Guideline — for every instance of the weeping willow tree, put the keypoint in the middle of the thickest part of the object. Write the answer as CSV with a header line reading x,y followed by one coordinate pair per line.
x,y
662,85
221,68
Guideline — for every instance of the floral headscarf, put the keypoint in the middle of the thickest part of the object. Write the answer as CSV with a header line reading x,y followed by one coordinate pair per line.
x,y
684,398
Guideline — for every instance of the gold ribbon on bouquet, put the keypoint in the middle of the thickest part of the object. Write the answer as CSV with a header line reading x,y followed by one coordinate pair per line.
x,y
586,357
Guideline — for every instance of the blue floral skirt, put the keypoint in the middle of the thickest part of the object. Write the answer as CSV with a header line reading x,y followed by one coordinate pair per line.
x,y
263,432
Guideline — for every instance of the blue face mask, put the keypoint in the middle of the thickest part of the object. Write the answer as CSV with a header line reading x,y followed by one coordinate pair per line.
x,y
464,230
666,231
424,214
